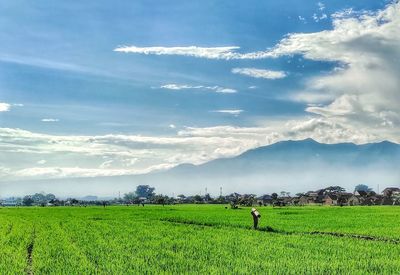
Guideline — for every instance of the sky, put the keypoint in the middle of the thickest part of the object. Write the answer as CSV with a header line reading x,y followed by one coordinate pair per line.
x,y
104,88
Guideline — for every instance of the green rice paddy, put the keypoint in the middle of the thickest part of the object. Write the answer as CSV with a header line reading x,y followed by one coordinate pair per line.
x,y
199,239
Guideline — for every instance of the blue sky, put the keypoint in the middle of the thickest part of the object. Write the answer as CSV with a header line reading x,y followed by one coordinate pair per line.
x,y
61,78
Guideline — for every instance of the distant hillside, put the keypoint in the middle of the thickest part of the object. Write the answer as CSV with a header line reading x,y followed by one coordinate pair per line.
x,y
299,154
287,165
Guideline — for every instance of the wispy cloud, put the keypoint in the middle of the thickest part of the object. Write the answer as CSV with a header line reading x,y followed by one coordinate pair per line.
x,y
226,53
203,52
259,73
230,112
302,19
50,120
4,107
57,65
216,89
317,17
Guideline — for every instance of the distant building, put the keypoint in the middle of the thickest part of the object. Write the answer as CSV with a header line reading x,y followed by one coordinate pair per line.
x,y
387,192
330,199
11,202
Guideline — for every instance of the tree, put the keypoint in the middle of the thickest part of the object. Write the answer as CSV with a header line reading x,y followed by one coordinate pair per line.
x,y
334,189
207,197
27,201
274,196
50,197
234,199
362,187
198,199
145,191
247,199
39,199
130,197
160,199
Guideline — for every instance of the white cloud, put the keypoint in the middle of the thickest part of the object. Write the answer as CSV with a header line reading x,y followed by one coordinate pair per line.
x,y
321,6
319,17
348,26
179,87
172,126
216,89
259,73
231,112
302,19
106,164
50,120
311,97
194,51
225,53
41,161
225,90
4,107
362,92
107,154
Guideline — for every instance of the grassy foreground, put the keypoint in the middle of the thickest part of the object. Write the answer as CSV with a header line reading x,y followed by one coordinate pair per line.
x,y
199,239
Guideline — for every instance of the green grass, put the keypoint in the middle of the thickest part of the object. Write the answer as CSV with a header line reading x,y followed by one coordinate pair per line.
x,y
199,239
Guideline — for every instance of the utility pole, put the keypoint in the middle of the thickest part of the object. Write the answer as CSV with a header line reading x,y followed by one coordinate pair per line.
x,y
220,192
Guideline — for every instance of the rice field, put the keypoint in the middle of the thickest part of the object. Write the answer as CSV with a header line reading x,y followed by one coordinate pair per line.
x,y
199,239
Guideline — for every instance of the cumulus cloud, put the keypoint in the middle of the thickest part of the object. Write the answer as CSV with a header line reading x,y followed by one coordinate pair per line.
x,y
259,73
363,90
216,89
4,107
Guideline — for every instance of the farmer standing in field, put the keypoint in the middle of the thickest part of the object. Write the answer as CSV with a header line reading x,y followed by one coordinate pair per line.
x,y
256,215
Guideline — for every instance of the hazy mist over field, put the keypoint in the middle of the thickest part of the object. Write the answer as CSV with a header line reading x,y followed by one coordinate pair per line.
x,y
295,166
254,97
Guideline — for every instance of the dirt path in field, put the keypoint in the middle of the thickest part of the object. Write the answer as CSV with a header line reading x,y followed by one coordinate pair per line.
x,y
29,250
277,231
355,236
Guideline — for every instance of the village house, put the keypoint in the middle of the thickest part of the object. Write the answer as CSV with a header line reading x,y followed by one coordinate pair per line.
x,y
264,200
330,199
388,192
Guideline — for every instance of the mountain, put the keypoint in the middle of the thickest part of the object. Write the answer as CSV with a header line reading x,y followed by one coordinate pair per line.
x,y
288,165
305,154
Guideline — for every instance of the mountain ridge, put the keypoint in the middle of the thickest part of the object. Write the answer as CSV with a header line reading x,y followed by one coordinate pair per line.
x,y
286,165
